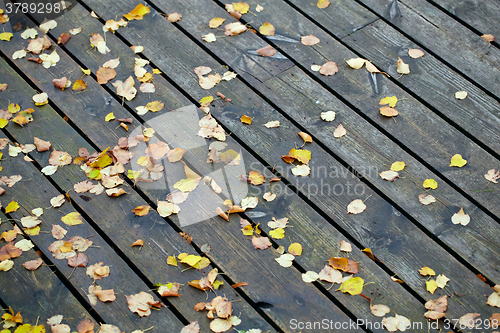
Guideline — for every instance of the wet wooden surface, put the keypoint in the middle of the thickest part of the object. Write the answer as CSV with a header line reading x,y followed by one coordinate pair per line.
x,y
403,234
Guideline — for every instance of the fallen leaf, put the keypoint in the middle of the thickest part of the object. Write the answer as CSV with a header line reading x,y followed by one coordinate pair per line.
x,y
310,276
272,124
105,74
460,217
57,201
430,183
469,320
379,310
267,51
356,63
105,295
309,40
301,170
63,38
235,28
209,38
330,275
261,243
345,247
98,271
285,260
389,175
258,9
329,68
113,63
402,67
46,26
24,245
73,218
437,308
6,264
140,303
138,242
33,264
356,206
142,210
328,115
137,13
426,199
494,300
216,22
388,111
125,89
246,119
458,161
492,176
174,17
431,286
426,271
415,53
41,99
339,132
19,54
441,281
353,286
488,37
295,249
267,29
58,232
323,3
391,101
59,158
11,207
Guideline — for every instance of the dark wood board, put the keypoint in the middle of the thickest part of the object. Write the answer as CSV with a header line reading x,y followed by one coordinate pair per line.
x,y
167,65
38,294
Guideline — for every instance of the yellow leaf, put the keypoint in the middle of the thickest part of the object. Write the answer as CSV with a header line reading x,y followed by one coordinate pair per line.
x,y
353,286
306,137
391,101
301,155
458,161
110,116
187,185
230,157
142,210
205,101
156,71
203,263
241,7
430,183
72,218
155,106
278,233
216,22
398,166
295,249
323,3
79,85
12,207
3,122
86,71
191,260
247,230
13,108
6,36
246,119
256,178
431,286
171,261
267,29
425,271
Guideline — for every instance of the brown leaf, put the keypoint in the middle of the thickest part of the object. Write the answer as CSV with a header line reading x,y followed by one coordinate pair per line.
x,y
194,327
98,271
59,158
140,303
64,38
107,295
33,264
488,37
388,111
174,17
85,326
267,51
58,232
222,214
61,83
437,308
9,251
142,210
329,68
309,40
80,260
239,284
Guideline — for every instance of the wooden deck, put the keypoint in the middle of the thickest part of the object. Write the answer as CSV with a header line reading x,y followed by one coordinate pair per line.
x,y
392,239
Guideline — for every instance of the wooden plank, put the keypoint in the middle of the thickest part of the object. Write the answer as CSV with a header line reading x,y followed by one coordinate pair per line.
x,y
168,62
122,278
38,294
96,59
319,306
435,31
481,15
430,79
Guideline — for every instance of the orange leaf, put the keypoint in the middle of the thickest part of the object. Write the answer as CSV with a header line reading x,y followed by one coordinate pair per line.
x,y
79,85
